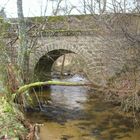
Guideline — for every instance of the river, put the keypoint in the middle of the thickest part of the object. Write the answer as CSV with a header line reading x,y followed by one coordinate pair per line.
x,y
77,113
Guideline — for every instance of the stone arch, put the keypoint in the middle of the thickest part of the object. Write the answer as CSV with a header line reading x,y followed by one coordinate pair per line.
x,y
42,70
50,52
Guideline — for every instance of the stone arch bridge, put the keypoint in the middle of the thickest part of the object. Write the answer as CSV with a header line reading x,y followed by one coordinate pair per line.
x,y
98,59
50,50
101,53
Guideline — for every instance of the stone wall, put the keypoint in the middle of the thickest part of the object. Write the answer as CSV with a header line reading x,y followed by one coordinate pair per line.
x,y
101,57
102,53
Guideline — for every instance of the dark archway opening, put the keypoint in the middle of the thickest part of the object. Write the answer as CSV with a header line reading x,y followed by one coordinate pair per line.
x,y
43,68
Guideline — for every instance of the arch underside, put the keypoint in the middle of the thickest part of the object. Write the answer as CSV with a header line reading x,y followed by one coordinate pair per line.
x,y
42,71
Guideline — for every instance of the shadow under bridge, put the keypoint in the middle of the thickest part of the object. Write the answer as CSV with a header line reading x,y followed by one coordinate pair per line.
x,y
43,68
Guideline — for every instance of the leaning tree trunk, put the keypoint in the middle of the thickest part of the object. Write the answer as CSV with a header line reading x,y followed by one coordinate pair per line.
x,y
24,88
23,56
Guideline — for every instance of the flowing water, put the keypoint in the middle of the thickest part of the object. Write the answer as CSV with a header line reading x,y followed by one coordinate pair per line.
x,y
77,113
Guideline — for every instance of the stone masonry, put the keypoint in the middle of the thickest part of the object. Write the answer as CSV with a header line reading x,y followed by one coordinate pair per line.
x,y
102,54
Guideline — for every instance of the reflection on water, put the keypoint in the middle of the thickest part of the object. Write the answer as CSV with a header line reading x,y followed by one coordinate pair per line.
x,y
77,113
70,96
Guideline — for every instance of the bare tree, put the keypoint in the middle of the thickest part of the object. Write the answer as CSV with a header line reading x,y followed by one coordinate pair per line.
x,y
23,55
2,13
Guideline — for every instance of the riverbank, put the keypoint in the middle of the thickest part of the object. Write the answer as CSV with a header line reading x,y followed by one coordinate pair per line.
x,y
11,126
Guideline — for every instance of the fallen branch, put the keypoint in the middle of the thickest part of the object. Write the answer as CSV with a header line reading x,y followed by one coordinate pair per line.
x,y
59,83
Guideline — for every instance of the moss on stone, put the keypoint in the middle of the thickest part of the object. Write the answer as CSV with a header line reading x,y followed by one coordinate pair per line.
x,y
36,19
56,19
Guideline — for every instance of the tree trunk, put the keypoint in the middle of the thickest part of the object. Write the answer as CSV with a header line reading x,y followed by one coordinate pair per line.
x,y
59,83
23,56
62,67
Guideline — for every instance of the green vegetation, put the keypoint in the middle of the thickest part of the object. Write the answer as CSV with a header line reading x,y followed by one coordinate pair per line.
x,y
10,124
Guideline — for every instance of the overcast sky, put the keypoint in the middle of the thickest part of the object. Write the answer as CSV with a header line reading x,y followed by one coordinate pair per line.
x,y
33,7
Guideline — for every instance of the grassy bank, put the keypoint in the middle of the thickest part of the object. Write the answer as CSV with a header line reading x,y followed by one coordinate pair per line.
x,y
10,121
